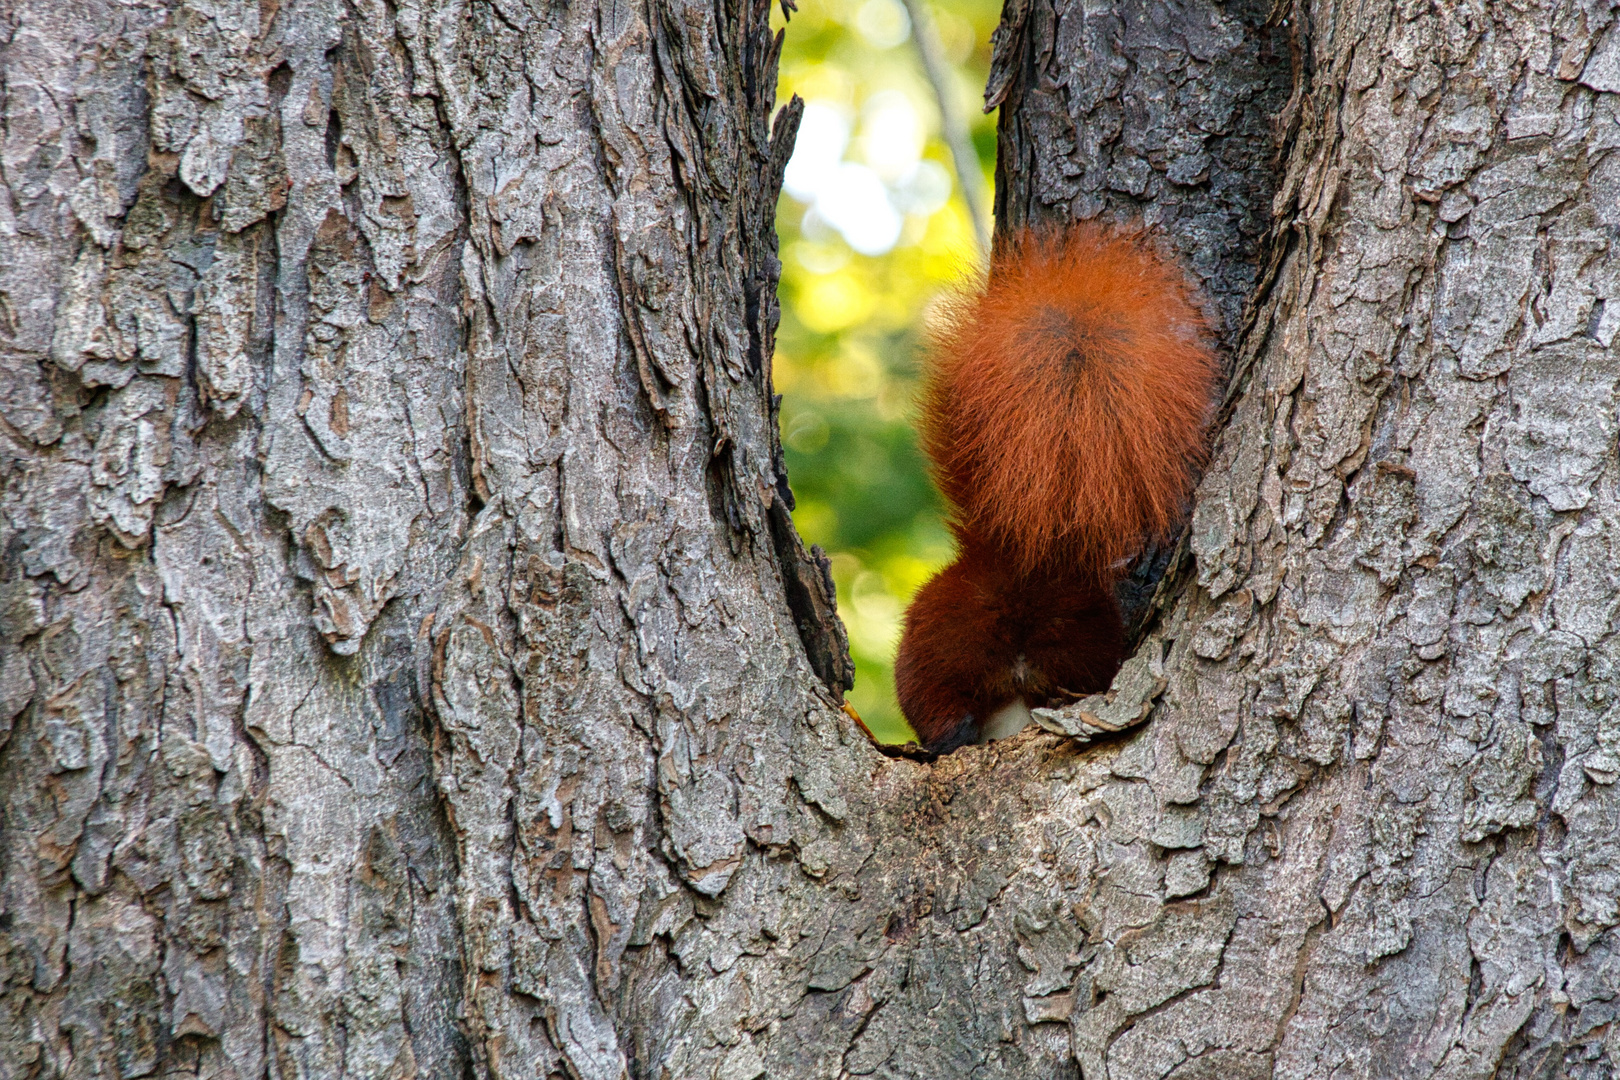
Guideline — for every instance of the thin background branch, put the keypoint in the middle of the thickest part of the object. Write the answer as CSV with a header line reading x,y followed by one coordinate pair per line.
x,y
968,177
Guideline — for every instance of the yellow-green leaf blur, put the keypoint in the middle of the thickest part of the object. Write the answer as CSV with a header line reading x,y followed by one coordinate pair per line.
x,y
873,227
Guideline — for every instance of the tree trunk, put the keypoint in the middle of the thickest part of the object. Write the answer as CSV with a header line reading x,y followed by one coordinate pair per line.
x,y
410,668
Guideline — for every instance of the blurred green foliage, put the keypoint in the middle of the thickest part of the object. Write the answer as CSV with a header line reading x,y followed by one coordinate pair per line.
x,y
858,276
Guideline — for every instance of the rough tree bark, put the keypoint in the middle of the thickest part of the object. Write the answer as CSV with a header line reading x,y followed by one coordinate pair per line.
x,y
410,670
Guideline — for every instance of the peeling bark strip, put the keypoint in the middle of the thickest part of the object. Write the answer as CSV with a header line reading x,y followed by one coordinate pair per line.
x,y
398,676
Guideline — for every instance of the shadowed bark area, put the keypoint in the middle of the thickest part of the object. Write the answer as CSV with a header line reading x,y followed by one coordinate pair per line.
x,y
409,668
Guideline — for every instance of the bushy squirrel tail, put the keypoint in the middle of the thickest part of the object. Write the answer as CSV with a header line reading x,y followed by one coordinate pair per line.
x,y
1066,402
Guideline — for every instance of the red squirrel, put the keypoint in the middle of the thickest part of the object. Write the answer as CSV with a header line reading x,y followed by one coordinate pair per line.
x,y
1064,409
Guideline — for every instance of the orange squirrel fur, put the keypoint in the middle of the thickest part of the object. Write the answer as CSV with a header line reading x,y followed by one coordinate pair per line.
x,y
1064,409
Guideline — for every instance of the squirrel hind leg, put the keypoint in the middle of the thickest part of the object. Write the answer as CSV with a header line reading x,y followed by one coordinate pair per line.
x,y
952,737
941,665
952,672
943,716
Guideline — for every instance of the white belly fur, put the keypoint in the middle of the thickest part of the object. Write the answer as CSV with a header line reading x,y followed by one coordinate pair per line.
x,y
1006,721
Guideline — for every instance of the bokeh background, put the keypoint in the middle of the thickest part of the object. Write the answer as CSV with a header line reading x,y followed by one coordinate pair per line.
x,y
873,227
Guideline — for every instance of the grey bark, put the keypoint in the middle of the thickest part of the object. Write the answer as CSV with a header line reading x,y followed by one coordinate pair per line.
x,y
409,668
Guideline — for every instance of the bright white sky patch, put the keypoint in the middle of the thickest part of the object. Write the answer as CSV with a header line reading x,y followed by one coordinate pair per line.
x,y
883,23
891,134
866,200
855,202
922,189
823,134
